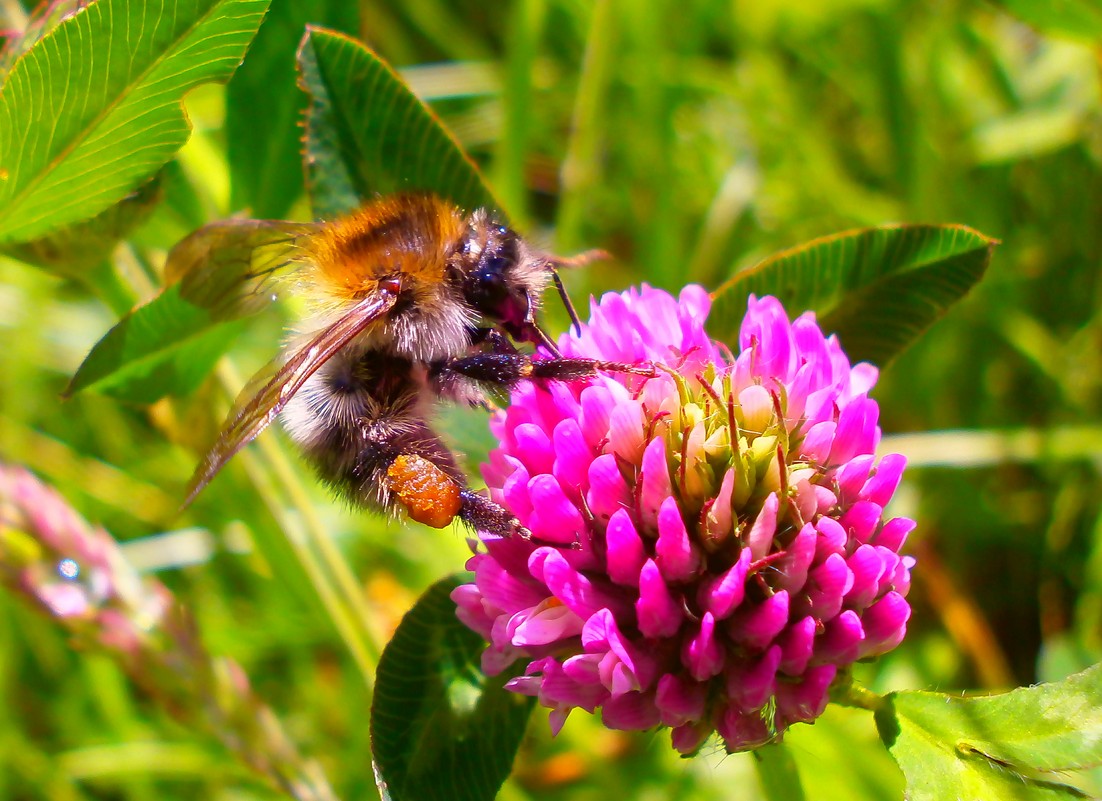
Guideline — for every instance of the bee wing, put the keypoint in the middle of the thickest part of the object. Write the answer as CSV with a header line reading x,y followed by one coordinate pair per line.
x,y
256,407
232,267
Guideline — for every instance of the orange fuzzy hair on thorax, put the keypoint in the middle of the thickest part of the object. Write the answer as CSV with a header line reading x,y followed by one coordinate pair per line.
x,y
407,235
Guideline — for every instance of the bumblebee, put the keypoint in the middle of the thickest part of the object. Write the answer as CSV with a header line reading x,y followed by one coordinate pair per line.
x,y
410,300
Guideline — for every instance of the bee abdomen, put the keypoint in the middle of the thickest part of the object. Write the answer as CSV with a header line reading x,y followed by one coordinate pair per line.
x,y
356,416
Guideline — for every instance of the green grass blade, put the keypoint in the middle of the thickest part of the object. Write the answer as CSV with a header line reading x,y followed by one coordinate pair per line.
x,y
581,167
510,179
778,774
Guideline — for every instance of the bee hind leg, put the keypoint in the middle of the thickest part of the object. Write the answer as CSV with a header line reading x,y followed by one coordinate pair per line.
x,y
433,497
427,493
482,514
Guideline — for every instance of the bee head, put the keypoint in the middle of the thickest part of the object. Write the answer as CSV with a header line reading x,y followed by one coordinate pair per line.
x,y
502,279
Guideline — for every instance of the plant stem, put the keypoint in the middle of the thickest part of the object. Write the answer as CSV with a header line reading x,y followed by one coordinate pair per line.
x,y
325,567
854,695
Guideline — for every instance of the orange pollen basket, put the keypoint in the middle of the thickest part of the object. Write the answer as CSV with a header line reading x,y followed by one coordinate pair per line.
x,y
429,495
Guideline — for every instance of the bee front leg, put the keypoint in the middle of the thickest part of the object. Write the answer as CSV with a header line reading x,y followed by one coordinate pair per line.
x,y
506,369
494,339
458,385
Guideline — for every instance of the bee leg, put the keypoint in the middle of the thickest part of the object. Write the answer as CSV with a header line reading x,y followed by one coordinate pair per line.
x,y
506,369
571,369
428,494
432,496
482,514
458,385
495,339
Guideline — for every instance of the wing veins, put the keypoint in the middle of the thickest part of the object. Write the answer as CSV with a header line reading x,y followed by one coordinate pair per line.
x,y
265,404
229,267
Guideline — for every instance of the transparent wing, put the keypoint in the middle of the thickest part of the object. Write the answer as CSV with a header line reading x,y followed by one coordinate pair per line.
x,y
232,267
264,397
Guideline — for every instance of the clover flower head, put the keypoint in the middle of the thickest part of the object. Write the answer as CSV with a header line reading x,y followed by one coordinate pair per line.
x,y
709,547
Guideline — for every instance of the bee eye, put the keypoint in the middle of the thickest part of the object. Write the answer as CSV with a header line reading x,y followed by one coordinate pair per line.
x,y
494,269
486,287
491,288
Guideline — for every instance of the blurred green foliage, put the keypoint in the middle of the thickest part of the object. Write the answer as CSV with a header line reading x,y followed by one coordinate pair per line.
x,y
690,139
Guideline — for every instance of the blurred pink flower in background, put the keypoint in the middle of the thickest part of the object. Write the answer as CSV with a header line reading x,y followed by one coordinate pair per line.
x,y
710,548
77,575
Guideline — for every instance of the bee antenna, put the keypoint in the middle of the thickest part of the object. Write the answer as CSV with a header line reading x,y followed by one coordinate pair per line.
x,y
566,301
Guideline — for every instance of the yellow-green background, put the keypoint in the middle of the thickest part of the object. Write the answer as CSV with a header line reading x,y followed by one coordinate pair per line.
x,y
688,138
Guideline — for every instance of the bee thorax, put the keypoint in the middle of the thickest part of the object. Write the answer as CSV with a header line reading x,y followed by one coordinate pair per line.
x,y
431,331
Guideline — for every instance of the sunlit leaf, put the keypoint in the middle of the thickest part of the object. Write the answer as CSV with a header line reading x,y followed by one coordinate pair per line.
x,y
265,160
225,271
73,248
441,729
996,747
878,289
165,347
367,134
93,108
